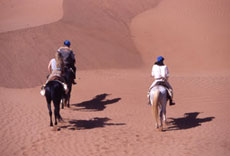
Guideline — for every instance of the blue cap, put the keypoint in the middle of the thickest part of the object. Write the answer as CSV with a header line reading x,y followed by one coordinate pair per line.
x,y
160,58
67,43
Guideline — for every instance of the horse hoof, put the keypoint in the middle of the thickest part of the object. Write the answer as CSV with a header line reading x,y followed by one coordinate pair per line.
x,y
55,128
61,120
156,126
161,129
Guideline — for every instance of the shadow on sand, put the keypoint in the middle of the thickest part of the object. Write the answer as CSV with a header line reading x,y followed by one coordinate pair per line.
x,y
89,124
190,120
98,103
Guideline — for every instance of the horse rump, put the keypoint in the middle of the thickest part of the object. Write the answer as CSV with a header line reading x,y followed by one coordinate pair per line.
x,y
54,91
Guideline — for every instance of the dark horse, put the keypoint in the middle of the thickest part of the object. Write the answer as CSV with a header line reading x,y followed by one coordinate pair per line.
x,y
69,77
54,91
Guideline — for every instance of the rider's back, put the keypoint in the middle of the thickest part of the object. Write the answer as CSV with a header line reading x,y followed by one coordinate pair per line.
x,y
67,55
160,71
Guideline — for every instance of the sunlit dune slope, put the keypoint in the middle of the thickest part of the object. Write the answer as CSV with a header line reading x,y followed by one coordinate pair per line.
x,y
193,36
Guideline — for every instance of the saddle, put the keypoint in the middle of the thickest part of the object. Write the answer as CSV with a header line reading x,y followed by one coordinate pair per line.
x,y
162,83
57,78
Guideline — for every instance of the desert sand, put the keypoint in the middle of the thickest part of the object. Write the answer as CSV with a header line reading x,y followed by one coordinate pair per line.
x,y
116,44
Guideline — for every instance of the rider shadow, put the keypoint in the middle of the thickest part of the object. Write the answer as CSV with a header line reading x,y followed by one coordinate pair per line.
x,y
98,103
89,124
189,120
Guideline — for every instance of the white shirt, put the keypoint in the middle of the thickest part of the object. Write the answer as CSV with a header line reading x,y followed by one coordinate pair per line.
x,y
53,64
159,72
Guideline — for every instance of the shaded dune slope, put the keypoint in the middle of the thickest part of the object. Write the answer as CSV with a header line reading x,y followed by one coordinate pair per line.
x,y
99,31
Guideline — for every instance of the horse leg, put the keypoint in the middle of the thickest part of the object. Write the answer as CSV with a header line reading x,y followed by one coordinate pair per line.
x,y
69,92
161,119
55,115
68,99
68,102
50,112
65,100
62,102
56,103
58,113
164,112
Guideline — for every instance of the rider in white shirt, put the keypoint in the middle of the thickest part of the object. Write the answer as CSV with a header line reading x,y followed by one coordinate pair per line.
x,y
160,73
52,65
55,69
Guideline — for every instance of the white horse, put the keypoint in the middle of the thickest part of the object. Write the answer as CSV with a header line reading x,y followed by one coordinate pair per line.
x,y
158,100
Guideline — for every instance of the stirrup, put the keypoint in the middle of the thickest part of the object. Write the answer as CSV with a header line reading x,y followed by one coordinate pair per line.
x,y
74,82
43,91
148,94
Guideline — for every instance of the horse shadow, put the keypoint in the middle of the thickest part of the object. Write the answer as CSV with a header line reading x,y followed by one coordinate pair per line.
x,y
89,124
190,120
98,103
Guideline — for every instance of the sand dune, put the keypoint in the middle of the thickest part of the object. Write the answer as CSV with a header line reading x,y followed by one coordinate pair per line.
x,y
116,44
193,36
100,38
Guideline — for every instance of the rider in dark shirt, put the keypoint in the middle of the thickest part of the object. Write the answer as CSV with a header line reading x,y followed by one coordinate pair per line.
x,y
68,57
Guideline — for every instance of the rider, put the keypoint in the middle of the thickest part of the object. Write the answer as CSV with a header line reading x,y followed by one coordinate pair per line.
x,y
160,73
56,70
68,57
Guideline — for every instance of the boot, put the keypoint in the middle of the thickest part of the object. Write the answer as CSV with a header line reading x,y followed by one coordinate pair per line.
x,y
74,82
171,102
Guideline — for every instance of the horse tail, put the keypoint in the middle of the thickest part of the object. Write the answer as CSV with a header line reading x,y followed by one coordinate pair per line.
x,y
155,105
